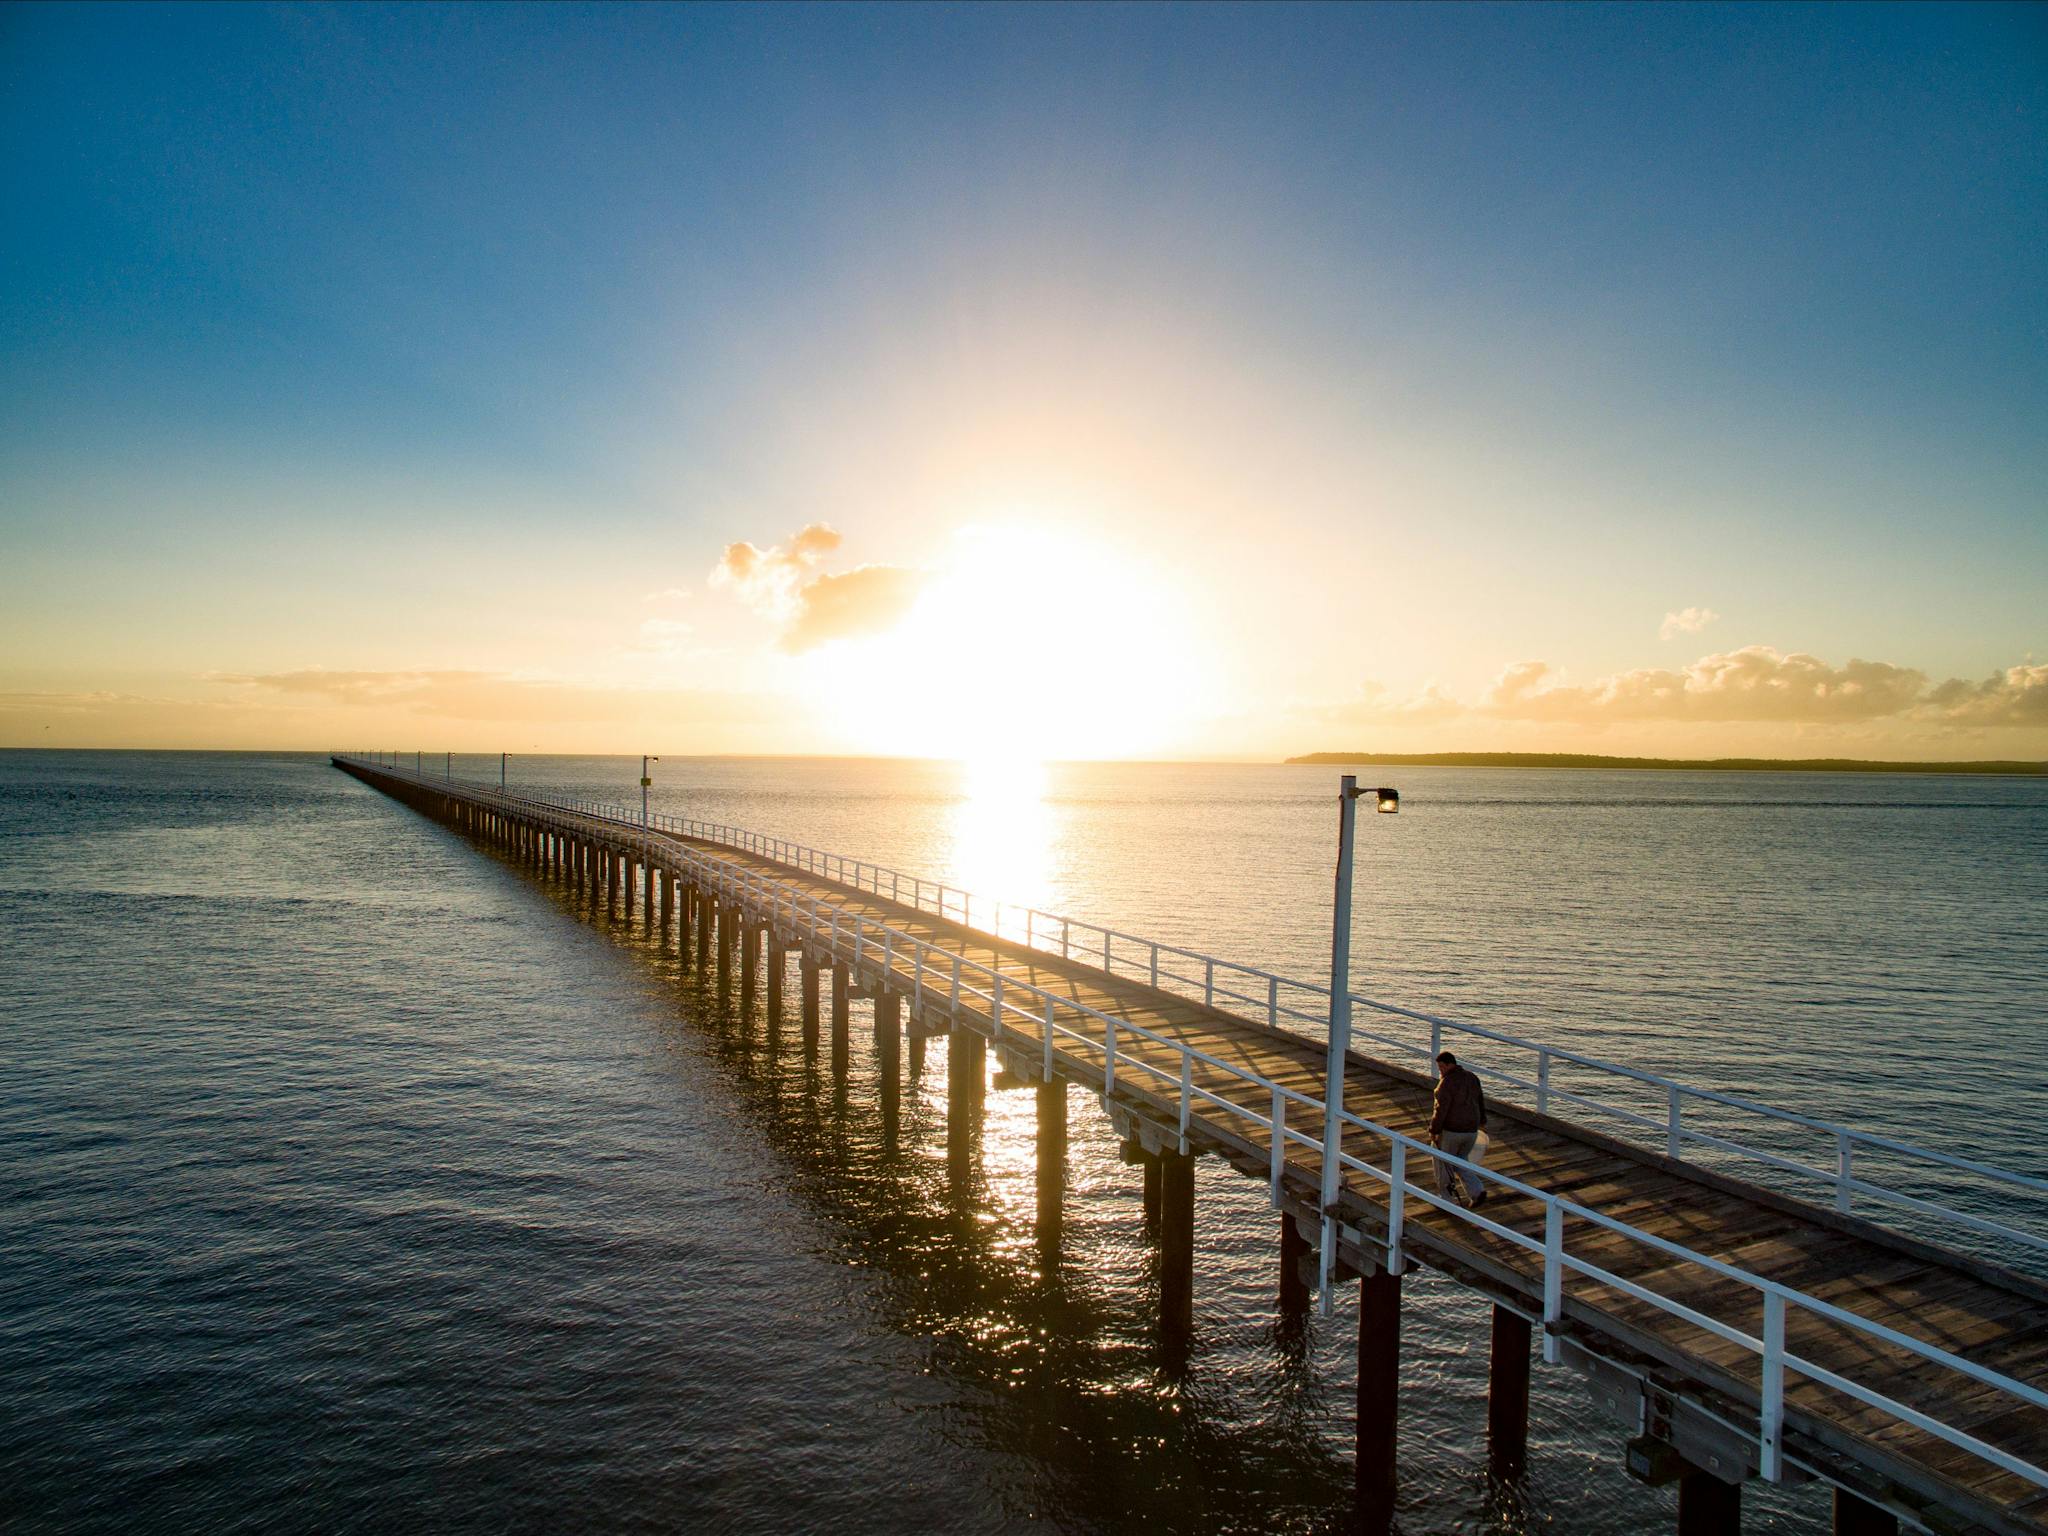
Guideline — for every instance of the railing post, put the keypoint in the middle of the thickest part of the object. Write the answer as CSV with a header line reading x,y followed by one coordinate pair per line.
x,y
1543,1080
1155,967
1272,1002
1674,1142
1436,1038
1279,1158
996,1010
1845,1158
1066,935
1397,1206
1187,1094
1553,1278
1770,1459
1109,1062
1208,983
1045,1070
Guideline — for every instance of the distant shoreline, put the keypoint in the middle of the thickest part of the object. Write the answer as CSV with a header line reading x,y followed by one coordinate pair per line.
x,y
1707,764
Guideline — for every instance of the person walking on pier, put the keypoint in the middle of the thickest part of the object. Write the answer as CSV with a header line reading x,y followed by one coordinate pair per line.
x,y
1455,1122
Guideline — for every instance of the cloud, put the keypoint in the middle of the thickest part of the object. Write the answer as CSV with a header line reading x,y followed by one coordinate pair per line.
x,y
498,696
1686,621
864,601
2016,696
1756,684
770,581
782,584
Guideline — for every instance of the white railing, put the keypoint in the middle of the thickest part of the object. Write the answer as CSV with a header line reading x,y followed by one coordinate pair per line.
x,y
1667,1115
1065,1032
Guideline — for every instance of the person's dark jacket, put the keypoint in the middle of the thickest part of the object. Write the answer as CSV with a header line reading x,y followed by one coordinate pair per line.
x,y
1460,1103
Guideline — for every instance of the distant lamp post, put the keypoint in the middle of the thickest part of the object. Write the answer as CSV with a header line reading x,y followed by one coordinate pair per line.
x,y
501,771
645,782
449,772
1388,803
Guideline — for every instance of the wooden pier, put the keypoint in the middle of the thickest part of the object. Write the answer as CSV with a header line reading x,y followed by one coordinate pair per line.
x,y
1732,1331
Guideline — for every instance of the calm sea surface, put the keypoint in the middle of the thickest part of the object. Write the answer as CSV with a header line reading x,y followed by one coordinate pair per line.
x,y
349,1177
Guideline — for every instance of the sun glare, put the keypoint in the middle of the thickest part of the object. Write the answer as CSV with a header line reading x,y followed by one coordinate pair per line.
x,y
1033,642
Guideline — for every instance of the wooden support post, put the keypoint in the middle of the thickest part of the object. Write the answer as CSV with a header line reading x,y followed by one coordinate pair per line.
x,y
702,915
1294,1252
778,966
888,1057
807,975
626,862
1052,1164
750,949
966,1088
1860,1517
1379,1396
916,1054
1507,1396
1707,1506
723,943
1152,1191
1176,1245
842,1018
647,891
668,898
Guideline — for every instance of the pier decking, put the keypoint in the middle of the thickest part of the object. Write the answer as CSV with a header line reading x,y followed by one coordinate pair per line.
x,y
1741,1330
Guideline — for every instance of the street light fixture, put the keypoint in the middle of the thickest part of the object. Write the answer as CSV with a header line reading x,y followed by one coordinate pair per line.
x,y
645,781
1388,803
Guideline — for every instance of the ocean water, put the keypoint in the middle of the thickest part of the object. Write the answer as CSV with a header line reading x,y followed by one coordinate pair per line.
x,y
350,1177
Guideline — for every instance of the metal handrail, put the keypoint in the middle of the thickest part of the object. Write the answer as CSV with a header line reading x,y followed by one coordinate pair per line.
x,y
952,984
1050,933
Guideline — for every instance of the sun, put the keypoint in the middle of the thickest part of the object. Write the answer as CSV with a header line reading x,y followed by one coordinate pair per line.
x,y
1032,642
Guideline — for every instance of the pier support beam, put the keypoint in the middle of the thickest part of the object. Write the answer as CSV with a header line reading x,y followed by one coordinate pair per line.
x,y
888,1059
750,965
1176,1244
700,906
1151,1165
1507,1396
647,892
966,1089
1294,1252
1860,1517
778,967
1052,1164
626,885
1707,1506
842,1019
807,976
1379,1397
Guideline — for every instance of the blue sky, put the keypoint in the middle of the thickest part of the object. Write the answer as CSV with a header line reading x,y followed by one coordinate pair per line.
x,y
1387,347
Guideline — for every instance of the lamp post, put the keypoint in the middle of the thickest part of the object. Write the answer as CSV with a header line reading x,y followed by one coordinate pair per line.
x,y
501,771
1388,803
644,783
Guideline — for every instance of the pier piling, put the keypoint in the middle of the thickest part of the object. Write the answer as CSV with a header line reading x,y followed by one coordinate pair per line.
x,y
842,1019
1507,1395
1707,1506
1176,1180
1379,1396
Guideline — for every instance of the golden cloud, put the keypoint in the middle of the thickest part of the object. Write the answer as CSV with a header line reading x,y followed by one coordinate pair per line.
x,y
781,583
